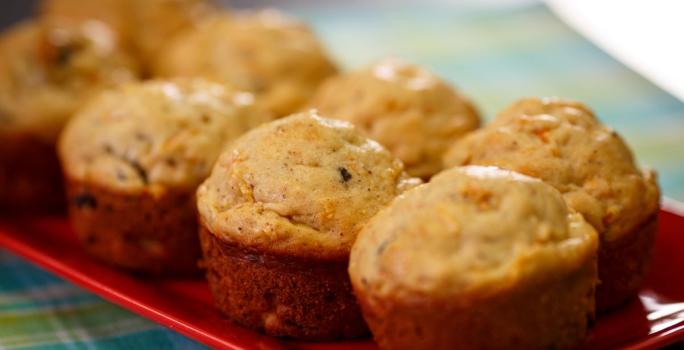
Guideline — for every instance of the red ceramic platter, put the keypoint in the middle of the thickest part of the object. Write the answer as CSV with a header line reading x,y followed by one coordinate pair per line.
x,y
653,320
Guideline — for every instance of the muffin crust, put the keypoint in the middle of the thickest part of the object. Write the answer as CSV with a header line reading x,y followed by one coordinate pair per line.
x,y
140,232
403,106
30,179
288,297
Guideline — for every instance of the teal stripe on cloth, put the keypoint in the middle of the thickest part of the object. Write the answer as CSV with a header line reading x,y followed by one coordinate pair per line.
x,y
494,55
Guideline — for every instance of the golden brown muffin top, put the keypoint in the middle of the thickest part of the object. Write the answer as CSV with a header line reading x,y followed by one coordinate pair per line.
x,y
301,186
406,108
562,143
159,20
116,14
46,73
268,53
471,232
156,134
142,25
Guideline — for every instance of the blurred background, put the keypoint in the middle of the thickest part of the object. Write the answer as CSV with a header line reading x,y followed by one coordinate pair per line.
x,y
498,51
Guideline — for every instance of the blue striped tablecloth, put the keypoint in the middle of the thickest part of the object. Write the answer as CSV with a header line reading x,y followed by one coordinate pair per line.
x,y
494,55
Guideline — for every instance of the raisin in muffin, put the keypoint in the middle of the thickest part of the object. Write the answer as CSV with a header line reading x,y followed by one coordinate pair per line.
x,y
276,57
278,216
406,108
479,257
132,160
562,143
46,73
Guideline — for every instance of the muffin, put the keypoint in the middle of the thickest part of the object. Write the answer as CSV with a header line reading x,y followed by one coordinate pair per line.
x,y
45,75
562,143
132,160
481,258
111,13
159,20
276,57
406,108
278,216
144,26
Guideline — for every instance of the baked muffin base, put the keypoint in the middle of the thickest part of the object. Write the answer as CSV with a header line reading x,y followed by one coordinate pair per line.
x,y
136,231
623,265
550,313
281,296
30,175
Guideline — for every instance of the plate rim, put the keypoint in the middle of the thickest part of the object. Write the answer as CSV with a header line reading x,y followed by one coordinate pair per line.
x,y
65,271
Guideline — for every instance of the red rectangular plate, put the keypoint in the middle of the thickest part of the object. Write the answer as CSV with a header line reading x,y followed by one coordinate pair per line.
x,y
653,320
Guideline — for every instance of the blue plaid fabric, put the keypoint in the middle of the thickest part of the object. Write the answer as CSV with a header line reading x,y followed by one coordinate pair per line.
x,y
41,311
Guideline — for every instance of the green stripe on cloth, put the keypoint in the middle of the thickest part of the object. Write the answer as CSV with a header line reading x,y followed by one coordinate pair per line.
x,y
493,55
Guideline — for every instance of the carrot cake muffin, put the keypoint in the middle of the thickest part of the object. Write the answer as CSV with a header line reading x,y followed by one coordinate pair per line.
x,y
45,75
406,108
278,216
132,160
274,56
562,143
479,258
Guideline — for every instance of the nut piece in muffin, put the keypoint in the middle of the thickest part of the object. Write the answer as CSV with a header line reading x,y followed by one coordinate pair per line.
x,y
274,56
132,160
278,216
480,257
46,73
562,143
406,108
